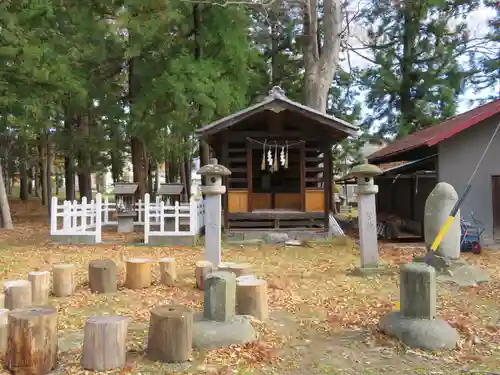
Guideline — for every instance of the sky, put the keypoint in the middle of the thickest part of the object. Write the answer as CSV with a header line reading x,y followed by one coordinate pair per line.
x,y
478,24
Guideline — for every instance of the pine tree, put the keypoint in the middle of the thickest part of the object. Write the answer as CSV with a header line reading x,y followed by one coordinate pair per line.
x,y
416,74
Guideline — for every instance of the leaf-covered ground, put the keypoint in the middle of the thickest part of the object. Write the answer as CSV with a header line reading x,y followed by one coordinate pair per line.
x,y
323,321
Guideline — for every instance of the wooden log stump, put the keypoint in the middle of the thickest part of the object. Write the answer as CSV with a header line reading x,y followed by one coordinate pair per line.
x,y
138,273
63,283
239,269
168,272
4,323
104,343
202,270
32,341
102,276
17,294
170,334
251,298
40,287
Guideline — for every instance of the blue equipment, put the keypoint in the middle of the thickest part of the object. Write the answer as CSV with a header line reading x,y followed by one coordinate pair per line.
x,y
470,235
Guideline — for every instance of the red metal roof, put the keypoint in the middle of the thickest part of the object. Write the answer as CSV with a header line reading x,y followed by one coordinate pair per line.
x,y
435,134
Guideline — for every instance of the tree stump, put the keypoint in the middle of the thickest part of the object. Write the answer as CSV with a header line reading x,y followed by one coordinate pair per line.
x,y
202,270
17,294
102,276
170,334
40,287
251,298
63,283
168,272
32,341
138,273
4,322
104,343
239,269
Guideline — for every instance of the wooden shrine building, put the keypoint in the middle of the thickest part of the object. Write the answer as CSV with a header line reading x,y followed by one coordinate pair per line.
x,y
279,153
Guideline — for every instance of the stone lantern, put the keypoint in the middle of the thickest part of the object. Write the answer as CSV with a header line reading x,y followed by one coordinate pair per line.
x,y
125,205
367,215
213,190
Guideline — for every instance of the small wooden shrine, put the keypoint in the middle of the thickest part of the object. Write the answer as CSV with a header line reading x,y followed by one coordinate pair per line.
x,y
170,192
279,153
125,205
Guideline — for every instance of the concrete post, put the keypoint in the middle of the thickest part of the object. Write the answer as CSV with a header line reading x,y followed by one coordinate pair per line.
x,y
367,215
213,191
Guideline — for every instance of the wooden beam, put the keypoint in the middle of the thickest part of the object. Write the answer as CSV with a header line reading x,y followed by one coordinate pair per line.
x,y
225,162
326,185
249,176
303,178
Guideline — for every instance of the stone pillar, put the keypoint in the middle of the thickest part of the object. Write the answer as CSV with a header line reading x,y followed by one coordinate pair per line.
x,y
416,324
418,291
220,296
438,206
213,191
367,214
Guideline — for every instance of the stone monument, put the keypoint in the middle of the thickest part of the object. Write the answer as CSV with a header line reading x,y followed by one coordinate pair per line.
x,y
219,326
448,263
213,190
367,217
416,323
438,206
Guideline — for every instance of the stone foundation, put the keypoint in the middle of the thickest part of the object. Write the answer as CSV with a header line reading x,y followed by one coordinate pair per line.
x,y
86,239
185,240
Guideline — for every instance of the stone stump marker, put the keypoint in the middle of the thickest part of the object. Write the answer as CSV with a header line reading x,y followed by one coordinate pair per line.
x,y
416,323
437,209
213,190
220,296
418,291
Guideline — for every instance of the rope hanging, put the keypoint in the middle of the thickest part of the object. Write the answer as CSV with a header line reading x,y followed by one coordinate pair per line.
x,y
271,159
265,143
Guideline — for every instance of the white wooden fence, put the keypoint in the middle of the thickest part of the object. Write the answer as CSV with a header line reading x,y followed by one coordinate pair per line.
x,y
173,220
159,219
77,219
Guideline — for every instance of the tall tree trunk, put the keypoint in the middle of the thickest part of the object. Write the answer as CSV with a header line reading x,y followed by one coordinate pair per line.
x,y
183,177
6,177
84,167
187,167
320,61
137,145
36,180
6,221
204,148
410,34
42,150
157,177
69,161
150,180
48,171
23,175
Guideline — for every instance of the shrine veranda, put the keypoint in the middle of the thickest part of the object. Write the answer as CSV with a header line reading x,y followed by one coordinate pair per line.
x,y
162,223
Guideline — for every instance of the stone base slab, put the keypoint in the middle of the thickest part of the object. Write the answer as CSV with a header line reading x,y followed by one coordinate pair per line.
x,y
372,271
86,239
173,240
209,334
428,334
